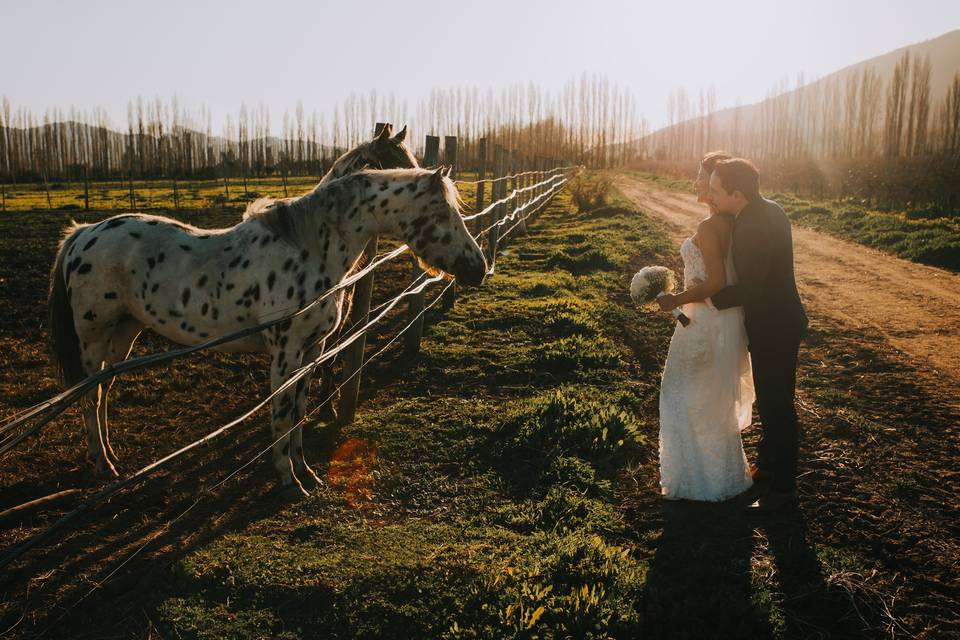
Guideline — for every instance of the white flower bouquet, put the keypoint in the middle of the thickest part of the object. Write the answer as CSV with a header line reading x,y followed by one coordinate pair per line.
x,y
651,282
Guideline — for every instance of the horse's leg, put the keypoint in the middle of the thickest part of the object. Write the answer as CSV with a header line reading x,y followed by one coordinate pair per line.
x,y
121,343
304,473
282,362
92,354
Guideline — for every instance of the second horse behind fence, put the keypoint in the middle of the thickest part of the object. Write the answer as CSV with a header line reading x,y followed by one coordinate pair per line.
x,y
113,279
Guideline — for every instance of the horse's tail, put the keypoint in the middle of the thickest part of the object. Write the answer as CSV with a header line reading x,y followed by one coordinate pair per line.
x,y
64,342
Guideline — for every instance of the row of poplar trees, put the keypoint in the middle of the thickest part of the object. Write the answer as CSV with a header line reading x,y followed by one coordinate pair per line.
x,y
588,121
884,141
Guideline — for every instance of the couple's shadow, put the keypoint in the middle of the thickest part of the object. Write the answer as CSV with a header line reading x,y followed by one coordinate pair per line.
x,y
719,572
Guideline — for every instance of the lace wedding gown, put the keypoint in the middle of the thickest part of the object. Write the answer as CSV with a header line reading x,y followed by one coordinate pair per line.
x,y
706,397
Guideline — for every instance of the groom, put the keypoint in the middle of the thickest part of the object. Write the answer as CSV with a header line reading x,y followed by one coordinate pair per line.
x,y
774,318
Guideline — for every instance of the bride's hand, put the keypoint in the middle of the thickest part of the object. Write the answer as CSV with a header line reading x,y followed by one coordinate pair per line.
x,y
667,302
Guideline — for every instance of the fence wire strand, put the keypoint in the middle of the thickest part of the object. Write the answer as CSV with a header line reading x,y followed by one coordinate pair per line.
x,y
59,403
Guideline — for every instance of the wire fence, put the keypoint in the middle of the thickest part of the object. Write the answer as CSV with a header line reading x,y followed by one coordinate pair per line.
x,y
531,191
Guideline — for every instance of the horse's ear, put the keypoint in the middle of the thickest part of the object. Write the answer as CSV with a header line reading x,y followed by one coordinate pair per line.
x,y
400,137
385,133
448,172
436,178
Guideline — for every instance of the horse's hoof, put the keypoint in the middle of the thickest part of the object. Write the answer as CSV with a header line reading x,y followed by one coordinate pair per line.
x,y
293,492
308,478
106,471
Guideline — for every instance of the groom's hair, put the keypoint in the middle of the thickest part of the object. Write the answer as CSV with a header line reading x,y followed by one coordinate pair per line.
x,y
709,161
739,174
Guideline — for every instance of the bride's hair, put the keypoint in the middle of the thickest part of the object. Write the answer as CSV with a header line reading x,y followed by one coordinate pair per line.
x,y
709,161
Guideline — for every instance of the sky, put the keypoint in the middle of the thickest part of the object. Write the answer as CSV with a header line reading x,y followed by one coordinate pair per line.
x,y
103,53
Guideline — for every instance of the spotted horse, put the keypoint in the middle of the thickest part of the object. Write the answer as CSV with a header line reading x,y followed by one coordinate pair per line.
x,y
113,279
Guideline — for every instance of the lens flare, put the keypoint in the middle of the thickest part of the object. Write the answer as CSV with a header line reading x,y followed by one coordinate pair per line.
x,y
351,470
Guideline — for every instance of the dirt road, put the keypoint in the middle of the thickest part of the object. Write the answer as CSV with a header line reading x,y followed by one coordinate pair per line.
x,y
916,308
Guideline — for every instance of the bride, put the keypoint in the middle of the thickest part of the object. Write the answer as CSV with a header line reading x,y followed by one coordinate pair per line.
x,y
706,393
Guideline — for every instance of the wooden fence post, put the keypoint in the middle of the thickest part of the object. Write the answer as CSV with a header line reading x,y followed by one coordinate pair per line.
x,y
515,168
411,341
525,198
450,159
481,175
450,154
359,316
542,174
86,189
498,190
431,151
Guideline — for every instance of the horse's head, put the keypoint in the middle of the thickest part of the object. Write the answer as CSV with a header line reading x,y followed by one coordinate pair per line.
x,y
388,151
428,218
385,151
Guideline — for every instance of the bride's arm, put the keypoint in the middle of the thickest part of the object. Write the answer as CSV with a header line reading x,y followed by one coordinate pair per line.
x,y
710,240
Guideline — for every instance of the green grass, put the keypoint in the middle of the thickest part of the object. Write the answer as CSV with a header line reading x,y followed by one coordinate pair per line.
x,y
486,503
925,236
157,195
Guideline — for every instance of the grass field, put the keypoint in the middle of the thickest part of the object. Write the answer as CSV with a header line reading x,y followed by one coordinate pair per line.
x,y
925,236
151,194
158,195
502,485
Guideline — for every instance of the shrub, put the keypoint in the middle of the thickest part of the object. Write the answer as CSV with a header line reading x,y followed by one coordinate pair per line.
x,y
590,193
565,422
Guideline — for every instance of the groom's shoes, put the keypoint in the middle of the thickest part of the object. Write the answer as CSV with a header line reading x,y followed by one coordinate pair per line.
x,y
771,501
761,482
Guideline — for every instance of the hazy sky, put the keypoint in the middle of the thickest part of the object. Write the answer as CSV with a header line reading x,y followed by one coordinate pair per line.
x,y
105,52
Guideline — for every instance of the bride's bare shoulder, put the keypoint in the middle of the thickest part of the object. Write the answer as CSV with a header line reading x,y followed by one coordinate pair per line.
x,y
715,226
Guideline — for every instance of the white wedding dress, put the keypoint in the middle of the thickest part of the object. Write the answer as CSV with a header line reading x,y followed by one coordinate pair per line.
x,y
706,397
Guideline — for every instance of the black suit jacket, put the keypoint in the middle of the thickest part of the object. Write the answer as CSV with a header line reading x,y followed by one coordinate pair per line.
x,y
766,287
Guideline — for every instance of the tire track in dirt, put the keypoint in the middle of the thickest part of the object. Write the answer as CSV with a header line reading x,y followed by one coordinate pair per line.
x,y
915,307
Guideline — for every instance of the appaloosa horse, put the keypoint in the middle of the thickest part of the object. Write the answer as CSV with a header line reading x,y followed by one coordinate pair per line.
x,y
129,272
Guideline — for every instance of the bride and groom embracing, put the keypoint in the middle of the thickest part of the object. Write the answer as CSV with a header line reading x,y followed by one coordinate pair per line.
x,y
746,324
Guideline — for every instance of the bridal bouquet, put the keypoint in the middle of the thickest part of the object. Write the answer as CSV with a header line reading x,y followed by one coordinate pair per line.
x,y
651,282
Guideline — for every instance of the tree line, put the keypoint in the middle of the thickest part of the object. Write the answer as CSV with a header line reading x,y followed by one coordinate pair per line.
x,y
858,135
590,121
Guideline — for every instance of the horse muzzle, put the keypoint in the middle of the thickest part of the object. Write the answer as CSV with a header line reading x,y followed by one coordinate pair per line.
x,y
469,272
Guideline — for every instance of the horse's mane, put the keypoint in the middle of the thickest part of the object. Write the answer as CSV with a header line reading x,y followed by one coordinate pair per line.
x,y
297,220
